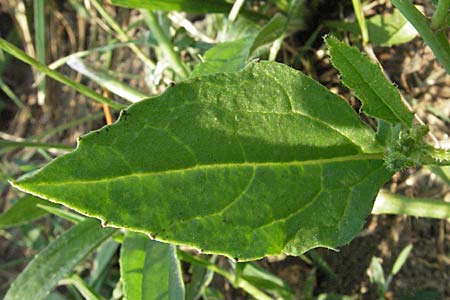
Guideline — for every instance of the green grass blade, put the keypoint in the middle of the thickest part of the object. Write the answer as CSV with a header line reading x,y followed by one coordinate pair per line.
x,y
197,6
7,90
19,54
165,44
24,211
22,144
387,203
39,29
251,289
401,259
57,260
106,81
379,97
122,35
359,12
63,214
437,40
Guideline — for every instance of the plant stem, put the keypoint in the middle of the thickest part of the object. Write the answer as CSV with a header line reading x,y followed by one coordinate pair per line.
x,y
235,10
164,43
241,283
437,41
361,20
122,36
19,54
387,203
440,14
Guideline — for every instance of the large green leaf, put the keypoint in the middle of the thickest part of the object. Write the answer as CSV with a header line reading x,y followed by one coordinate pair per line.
x,y
245,164
57,260
379,97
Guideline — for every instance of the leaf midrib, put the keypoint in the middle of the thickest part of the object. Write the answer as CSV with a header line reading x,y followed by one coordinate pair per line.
x,y
369,85
357,157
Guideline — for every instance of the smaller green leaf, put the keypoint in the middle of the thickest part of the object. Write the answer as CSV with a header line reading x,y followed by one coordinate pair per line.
x,y
57,260
271,31
225,57
162,277
401,259
379,97
102,261
150,270
232,56
376,275
132,258
390,29
24,211
200,279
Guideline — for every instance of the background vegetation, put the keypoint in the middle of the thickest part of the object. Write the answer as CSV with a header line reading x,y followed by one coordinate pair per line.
x,y
126,55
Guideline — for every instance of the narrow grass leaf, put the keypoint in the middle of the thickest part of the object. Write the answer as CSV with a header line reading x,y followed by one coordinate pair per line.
x,y
379,97
246,164
24,211
192,6
57,260
105,80
267,281
387,203
39,28
401,259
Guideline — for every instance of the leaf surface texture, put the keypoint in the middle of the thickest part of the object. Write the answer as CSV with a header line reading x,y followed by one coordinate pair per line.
x,y
379,97
245,164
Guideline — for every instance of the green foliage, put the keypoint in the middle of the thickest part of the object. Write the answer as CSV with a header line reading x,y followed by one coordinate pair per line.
x,y
57,260
24,211
150,270
379,97
384,30
245,160
192,6
195,162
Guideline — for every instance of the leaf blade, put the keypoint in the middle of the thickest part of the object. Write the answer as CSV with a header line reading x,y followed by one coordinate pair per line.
x,y
25,210
200,159
57,260
380,98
